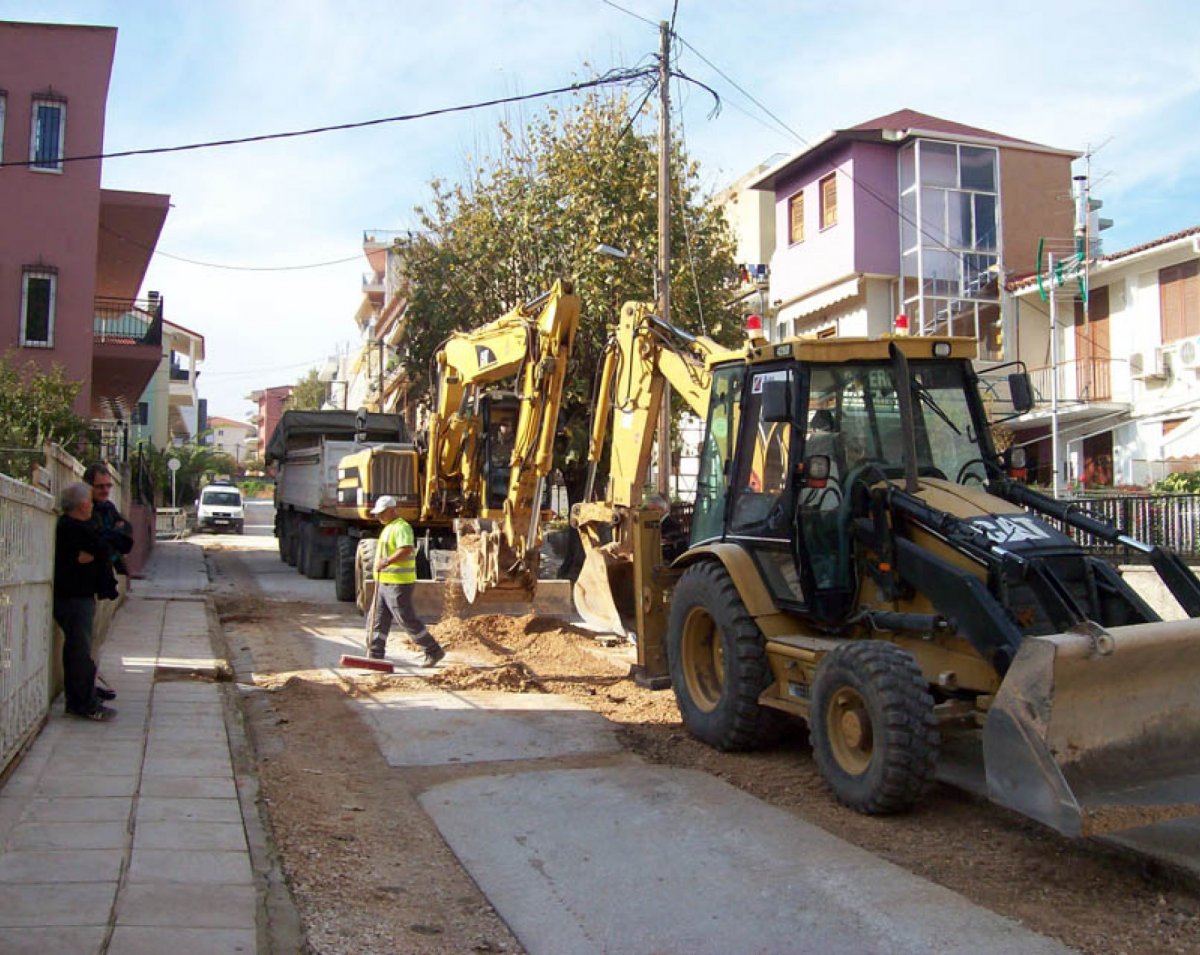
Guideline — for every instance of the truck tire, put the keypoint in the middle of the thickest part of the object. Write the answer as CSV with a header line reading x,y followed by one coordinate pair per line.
x,y
293,541
364,573
282,538
343,567
311,565
874,734
718,661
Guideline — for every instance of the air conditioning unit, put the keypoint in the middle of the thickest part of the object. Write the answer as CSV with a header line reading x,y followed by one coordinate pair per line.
x,y
1188,351
1150,364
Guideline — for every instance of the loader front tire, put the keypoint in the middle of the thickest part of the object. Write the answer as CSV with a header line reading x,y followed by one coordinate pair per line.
x,y
718,661
874,735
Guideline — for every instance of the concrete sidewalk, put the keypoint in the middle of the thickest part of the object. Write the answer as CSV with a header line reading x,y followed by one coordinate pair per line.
x,y
127,837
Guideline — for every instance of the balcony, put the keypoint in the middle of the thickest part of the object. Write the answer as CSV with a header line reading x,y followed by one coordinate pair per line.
x,y
1080,380
128,323
126,351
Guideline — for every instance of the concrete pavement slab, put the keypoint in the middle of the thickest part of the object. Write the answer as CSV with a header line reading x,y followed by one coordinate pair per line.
x,y
76,903
77,809
439,728
216,836
135,940
188,906
58,865
200,867
181,766
196,787
71,785
82,940
151,809
68,835
643,859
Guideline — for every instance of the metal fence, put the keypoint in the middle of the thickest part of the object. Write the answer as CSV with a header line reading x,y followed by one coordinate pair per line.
x,y
1169,520
26,627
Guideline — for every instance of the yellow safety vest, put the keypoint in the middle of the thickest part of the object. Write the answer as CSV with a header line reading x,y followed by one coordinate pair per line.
x,y
397,534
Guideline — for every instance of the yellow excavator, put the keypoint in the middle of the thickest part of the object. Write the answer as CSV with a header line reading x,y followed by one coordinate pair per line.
x,y
472,482
490,439
860,557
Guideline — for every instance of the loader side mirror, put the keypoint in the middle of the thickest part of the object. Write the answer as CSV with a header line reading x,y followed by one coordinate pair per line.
x,y
777,401
1020,390
360,425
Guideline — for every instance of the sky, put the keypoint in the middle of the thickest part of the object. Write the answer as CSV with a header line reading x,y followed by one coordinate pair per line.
x,y
1119,79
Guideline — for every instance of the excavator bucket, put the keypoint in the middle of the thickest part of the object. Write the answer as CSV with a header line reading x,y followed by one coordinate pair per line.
x,y
604,592
486,587
1098,731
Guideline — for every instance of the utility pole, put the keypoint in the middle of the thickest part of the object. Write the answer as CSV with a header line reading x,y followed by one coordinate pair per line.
x,y
664,242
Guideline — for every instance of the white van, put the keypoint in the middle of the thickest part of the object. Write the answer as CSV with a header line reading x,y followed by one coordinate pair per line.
x,y
220,507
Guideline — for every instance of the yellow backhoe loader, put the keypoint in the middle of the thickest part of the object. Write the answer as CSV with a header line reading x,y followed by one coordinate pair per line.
x,y
859,556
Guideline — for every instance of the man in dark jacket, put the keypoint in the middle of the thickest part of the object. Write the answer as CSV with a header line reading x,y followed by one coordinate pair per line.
x,y
113,528
81,559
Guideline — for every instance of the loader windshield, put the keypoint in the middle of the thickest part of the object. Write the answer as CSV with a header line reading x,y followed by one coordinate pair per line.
x,y
863,407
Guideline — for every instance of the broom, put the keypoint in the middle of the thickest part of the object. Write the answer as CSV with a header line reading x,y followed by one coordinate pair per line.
x,y
366,663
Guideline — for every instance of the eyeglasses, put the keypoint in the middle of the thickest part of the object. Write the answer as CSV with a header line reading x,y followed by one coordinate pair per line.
x,y
102,487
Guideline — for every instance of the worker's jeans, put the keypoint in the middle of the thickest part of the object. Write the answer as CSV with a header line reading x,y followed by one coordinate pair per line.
x,y
76,616
395,602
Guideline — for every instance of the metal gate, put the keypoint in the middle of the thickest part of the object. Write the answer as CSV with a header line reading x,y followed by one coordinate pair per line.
x,y
26,627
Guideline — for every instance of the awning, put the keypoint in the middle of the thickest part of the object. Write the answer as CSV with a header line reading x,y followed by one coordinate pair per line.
x,y
815,301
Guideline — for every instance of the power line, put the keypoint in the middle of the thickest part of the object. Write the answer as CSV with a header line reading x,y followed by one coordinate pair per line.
x,y
636,16
218,265
613,77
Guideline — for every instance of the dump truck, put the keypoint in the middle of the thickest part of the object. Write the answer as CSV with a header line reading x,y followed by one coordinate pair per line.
x,y
331,468
860,556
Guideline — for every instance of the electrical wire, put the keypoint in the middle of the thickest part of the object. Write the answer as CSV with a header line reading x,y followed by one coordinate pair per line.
x,y
611,78
217,265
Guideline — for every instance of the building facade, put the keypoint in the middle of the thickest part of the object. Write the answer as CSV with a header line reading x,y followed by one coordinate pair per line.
x,y
1121,384
271,404
910,215
233,438
73,255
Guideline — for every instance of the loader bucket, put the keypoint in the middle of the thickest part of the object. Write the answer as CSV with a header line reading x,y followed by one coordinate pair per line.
x,y
1098,731
604,592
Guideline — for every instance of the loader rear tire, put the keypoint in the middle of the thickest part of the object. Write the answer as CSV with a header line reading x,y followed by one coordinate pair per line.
x,y
874,735
343,567
718,661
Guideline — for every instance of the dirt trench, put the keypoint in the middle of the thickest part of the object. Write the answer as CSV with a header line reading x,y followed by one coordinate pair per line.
x,y
370,873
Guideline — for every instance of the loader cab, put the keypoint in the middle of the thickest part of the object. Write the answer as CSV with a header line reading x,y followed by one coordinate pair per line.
x,y
792,447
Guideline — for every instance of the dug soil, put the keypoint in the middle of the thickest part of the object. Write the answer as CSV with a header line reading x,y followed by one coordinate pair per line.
x,y
370,873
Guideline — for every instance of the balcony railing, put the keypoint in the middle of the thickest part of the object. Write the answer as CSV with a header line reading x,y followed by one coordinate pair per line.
x,y
122,322
1082,379
1168,520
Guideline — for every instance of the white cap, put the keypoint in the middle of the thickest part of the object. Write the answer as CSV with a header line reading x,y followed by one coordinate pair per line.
x,y
383,504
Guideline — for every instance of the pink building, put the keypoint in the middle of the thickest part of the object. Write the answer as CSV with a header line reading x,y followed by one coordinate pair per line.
x,y
72,254
271,405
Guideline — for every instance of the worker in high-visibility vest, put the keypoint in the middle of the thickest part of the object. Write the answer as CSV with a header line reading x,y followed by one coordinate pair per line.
x,y
395,579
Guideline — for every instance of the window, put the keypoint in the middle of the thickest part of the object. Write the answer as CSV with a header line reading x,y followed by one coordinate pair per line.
x,y
1179,300
142,415
796,218
47,135
829,201
37,308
